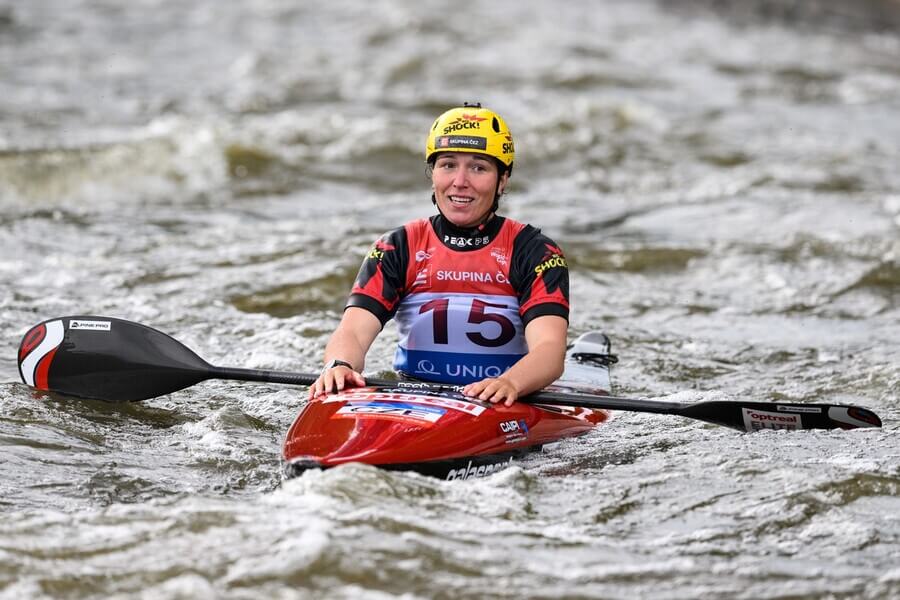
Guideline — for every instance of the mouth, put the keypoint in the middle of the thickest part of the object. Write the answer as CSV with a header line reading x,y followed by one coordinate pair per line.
x,y
460,200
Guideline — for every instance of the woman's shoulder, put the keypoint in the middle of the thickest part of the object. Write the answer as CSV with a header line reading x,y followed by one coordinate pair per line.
x,y
526,234
403,231
416,230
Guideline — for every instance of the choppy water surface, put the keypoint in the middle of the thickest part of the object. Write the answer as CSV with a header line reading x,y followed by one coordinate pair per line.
x,y
726,189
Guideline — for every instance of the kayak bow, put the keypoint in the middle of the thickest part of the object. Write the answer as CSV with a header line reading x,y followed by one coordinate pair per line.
x,y
442,433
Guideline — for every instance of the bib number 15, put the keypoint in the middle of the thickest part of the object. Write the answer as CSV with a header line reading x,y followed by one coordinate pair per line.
x,y
477,315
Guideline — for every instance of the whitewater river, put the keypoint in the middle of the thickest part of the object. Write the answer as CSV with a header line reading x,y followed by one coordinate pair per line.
x,y
725,186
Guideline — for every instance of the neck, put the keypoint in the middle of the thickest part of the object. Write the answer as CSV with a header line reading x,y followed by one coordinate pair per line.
x,y
466,238
470,230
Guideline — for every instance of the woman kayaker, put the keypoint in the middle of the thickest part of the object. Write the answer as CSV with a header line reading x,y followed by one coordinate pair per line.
x,y
479,299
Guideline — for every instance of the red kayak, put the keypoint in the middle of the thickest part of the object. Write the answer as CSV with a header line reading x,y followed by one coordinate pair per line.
x,y
443,434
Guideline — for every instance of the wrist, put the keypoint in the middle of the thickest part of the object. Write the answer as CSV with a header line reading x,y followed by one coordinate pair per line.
x,y
511,382
336,362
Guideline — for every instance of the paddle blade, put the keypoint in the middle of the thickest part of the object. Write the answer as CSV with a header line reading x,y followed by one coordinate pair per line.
x,y
755,416
106,359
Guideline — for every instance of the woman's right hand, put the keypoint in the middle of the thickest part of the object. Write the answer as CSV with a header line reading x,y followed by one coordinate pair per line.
x,y
335,379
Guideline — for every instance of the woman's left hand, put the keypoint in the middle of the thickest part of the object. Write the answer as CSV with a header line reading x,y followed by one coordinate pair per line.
x,y
493,390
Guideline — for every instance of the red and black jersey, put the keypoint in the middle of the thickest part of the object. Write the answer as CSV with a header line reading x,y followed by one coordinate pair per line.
x,y
461,298
538,272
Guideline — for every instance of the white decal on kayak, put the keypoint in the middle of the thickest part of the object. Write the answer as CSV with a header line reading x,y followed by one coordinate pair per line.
x,y
367,396
52,339
392,410
754,420
466,407
516,431
470,471
90,325
509,426
416,385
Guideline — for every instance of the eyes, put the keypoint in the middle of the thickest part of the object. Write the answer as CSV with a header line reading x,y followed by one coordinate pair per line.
x,y
474,166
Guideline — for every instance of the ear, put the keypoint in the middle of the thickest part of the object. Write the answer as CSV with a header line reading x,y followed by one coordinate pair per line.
x,y
501,185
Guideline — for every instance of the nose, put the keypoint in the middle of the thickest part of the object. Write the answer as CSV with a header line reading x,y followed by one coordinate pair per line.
x,y
459,179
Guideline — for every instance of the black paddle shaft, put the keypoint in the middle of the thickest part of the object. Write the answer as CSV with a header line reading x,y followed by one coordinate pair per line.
x,y
743,416
117,360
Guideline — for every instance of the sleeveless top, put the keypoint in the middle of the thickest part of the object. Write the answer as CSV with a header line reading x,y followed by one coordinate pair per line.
x,y
461,299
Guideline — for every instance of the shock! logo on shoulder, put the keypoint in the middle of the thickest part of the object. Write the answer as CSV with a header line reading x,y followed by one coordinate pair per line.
x,y
553,258
378,250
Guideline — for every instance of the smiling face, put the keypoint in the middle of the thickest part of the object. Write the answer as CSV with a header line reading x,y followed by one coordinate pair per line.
x,y
464,186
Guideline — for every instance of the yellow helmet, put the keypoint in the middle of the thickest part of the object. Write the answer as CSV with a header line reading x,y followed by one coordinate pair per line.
x,y
470,128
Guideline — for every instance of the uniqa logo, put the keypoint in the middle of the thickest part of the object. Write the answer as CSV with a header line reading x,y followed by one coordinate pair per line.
x,y
474,371
426,366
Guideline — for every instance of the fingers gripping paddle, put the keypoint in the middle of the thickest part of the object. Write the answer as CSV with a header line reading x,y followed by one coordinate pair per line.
x,y
117,360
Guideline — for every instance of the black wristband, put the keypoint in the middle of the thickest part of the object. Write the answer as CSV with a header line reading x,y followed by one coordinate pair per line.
x,y
336,362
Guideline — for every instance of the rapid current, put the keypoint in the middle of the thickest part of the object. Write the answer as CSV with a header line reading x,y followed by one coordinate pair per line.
x,y
724,182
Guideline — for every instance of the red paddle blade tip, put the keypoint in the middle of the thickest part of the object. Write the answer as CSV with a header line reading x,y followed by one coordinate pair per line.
x,y
37,350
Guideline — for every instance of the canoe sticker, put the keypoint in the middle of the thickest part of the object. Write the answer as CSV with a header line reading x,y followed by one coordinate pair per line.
x,y
398,411
386,396
514,430
754,420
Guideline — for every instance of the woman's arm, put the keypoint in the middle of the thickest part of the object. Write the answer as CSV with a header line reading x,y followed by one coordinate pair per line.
x,y
350,342
546,339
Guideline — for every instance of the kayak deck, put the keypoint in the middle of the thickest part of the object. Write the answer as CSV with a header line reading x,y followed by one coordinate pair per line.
x,y
443,434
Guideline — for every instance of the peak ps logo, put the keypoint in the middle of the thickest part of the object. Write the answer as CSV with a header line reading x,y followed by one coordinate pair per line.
x,y
90,325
